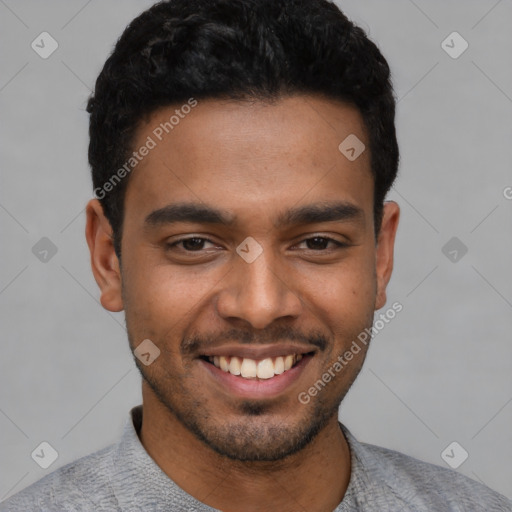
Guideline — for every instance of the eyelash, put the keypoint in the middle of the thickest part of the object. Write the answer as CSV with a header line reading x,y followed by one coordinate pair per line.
x,y
337,243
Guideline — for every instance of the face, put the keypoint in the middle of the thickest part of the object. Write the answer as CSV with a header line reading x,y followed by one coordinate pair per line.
x,y
249,259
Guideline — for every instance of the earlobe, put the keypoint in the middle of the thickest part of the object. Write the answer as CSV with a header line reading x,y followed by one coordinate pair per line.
x,y
385,249
104,261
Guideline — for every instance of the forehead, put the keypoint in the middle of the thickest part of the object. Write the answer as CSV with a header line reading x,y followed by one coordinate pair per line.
x,y
251,156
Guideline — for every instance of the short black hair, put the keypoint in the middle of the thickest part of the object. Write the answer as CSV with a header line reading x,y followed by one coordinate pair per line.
x,y
235,49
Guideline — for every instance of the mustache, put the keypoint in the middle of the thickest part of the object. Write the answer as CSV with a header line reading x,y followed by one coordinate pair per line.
x,y
195,343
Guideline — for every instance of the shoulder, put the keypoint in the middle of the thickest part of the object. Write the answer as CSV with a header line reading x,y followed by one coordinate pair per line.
x,y
421,486
80,485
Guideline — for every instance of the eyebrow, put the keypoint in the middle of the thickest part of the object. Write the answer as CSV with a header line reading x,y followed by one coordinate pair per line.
x,y
202,214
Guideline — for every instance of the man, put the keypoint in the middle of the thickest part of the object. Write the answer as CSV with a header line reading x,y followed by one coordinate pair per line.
x,y
241,152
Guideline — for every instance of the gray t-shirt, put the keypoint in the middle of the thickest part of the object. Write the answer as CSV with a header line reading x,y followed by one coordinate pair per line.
x,y
123,477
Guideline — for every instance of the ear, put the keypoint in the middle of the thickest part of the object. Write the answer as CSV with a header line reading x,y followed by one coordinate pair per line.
x,y
104,261
384,252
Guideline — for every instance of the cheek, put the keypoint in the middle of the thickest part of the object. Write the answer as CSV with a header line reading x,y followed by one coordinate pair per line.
x,y
344,293
344,303
160,297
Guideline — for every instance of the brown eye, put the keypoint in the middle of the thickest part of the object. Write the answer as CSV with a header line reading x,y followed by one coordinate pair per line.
x,y
317,243
321,243
193,244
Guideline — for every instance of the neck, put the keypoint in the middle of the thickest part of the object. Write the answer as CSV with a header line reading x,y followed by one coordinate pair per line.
x,y
315,478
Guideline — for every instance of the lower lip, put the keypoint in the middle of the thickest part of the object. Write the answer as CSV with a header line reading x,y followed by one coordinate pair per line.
x,y
257,388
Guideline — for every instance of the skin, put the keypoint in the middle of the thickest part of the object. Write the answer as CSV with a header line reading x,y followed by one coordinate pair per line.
x,y
254,161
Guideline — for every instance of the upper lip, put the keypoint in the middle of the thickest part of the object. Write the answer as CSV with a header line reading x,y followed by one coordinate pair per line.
x,y
258,352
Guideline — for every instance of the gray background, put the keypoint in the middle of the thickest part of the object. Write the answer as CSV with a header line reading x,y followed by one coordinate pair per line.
x,y
439,372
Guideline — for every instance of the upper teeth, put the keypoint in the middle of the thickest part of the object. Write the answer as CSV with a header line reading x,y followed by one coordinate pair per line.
x,y
250,368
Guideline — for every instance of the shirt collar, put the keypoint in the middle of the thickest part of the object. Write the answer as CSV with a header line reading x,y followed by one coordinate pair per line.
x,y
138,482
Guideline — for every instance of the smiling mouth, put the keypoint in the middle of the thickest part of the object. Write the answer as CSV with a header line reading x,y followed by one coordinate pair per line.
x,y
255,369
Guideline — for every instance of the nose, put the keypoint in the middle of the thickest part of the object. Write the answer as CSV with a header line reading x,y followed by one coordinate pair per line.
x,y
258,293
